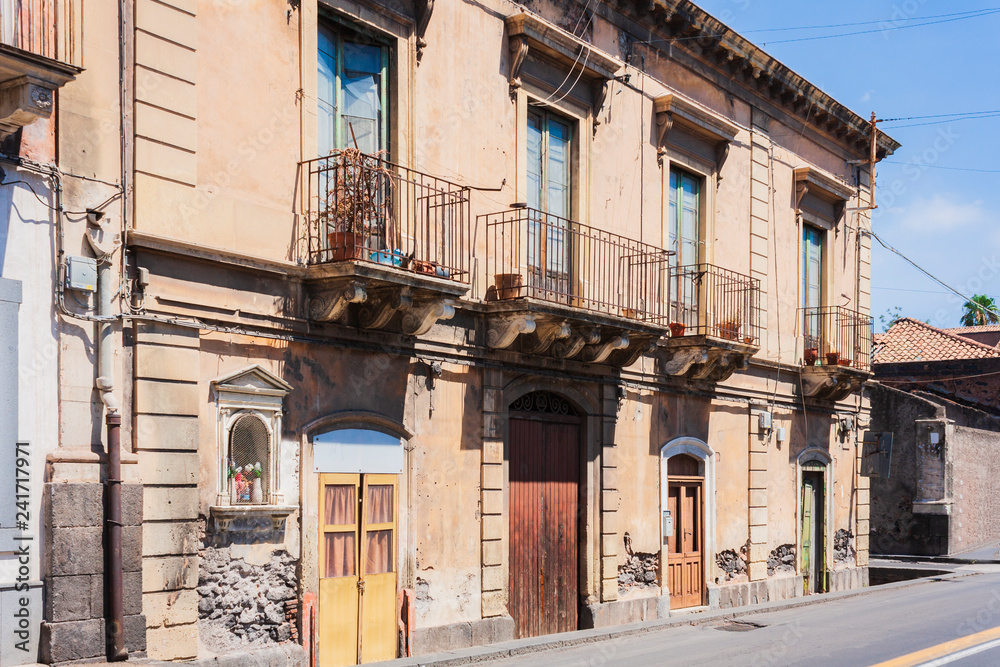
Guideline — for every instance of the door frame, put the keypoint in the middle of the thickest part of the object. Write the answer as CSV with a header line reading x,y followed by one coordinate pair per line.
x,y
701,451
822,457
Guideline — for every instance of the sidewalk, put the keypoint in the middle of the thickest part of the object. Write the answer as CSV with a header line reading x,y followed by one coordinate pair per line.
x,y
551,642
984,555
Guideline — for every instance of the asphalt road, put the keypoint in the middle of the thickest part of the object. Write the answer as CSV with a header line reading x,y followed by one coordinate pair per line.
x,y
884,626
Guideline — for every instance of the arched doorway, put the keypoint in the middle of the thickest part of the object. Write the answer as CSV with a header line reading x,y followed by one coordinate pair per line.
x,y
544,481
815,514
687,494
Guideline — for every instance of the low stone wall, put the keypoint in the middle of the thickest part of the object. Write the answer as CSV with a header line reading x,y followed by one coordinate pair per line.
x,y
244,604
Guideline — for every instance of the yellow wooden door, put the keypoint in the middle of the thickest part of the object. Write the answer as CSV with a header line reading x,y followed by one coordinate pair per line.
x,y
357,596
378,599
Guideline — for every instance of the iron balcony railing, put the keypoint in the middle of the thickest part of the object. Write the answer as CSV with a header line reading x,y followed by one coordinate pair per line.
x,y
31,25
709,300
836,336
362,208
546,257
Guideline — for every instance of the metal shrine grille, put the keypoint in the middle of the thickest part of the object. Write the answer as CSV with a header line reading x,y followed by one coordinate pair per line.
x,y
543,402
249,442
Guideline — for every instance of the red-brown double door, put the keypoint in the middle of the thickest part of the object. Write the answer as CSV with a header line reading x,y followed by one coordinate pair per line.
x,y
544,469
685,568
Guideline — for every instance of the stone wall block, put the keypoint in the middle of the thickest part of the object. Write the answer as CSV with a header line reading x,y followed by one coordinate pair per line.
x,y
170,608
493,451
75,505
166,432
167,398
167,363
493,553
165,503
169,573
169,538
493,476
72,640
494,578
132,504
69,598
177,468
76,551
494,604
493,526
492,502
176,643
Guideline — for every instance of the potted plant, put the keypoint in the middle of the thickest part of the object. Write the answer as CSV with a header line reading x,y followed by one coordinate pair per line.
x,y
631,313
676,329
729,330
508,285
748,340
810,355
844,362
832,358
357,203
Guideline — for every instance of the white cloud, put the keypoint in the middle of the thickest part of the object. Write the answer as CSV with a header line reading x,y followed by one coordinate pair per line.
x,y
937,214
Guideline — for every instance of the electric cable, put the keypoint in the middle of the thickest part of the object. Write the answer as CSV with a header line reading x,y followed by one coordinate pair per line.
x,y
934,166
932,276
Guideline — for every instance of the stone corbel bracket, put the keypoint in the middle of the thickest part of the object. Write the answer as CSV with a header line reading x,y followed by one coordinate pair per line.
x,y
674,111
595,354
330,305
530,32
545,334
503,330
720,366
831,383
383,304
704,358
420,316
422,10
823,185
571,346
23,101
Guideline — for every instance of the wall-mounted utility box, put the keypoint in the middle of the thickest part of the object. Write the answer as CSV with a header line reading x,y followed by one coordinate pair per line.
x,y
81,274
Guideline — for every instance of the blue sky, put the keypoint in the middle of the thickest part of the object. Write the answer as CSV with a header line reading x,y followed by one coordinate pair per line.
x,y
941,218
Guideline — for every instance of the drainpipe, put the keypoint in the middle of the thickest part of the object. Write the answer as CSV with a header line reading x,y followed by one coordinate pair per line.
x,y
113,521
113,515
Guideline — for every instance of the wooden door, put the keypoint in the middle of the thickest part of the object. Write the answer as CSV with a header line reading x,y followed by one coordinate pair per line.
x,y
544,501
813,547
685,550
357,587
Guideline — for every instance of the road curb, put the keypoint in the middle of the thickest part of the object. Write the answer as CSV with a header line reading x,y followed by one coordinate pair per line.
x,y
521,647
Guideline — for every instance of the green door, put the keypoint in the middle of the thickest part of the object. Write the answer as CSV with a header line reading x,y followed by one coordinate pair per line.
x,y
813,565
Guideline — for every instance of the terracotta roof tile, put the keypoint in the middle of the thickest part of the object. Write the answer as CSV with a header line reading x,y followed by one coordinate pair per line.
x,y
912,340
985,328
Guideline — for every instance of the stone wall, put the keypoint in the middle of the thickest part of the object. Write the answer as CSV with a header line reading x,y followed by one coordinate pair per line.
x,y
243,604
75,585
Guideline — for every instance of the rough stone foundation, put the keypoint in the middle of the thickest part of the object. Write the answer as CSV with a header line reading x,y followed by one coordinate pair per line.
x,y
733,563
843,547
638,572
781,560
243,604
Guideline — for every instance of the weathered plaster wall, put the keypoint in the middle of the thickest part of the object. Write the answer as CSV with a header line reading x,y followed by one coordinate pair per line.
x,y
975,522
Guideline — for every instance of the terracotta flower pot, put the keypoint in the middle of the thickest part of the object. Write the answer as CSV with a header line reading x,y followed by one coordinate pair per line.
x,y
508,285
810,355
346,245
844,362
729,330
630,313
420,266
676,329
832,358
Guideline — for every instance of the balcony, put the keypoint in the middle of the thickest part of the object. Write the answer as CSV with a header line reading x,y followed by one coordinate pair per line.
x,y
714,321
562,288
390,239
35,36
837,345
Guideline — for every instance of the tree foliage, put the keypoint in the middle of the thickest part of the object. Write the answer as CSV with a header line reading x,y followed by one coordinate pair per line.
x,y
980,310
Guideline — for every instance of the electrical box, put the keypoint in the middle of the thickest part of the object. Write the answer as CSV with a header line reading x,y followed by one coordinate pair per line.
x,y
668,524
764,421
781,435
81,274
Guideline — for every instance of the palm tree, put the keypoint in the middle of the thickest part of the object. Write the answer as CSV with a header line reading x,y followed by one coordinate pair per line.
x,y
980,310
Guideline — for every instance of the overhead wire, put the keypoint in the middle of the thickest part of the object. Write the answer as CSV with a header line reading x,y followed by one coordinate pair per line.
x,y
927,273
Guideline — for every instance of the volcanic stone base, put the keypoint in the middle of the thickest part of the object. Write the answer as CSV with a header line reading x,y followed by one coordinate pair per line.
x,y
462,635
741,594
75,592
845,580
623,612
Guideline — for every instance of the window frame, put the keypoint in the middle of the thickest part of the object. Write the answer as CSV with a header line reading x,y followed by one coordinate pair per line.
x,y
346,32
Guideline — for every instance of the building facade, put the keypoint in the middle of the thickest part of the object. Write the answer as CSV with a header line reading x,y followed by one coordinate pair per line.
x,y
439,324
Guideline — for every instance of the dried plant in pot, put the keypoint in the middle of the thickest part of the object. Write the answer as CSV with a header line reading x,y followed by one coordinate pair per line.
x,y
729,330
810,355
833,358
508,285
676,329
357,207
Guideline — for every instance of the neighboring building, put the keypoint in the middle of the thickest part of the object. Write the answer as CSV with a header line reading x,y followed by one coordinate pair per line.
x,y
447,323
987,334
938,394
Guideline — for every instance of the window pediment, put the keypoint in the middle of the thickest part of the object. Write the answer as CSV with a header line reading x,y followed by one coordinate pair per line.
x,y
529,32
824,186
675,111
254,381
